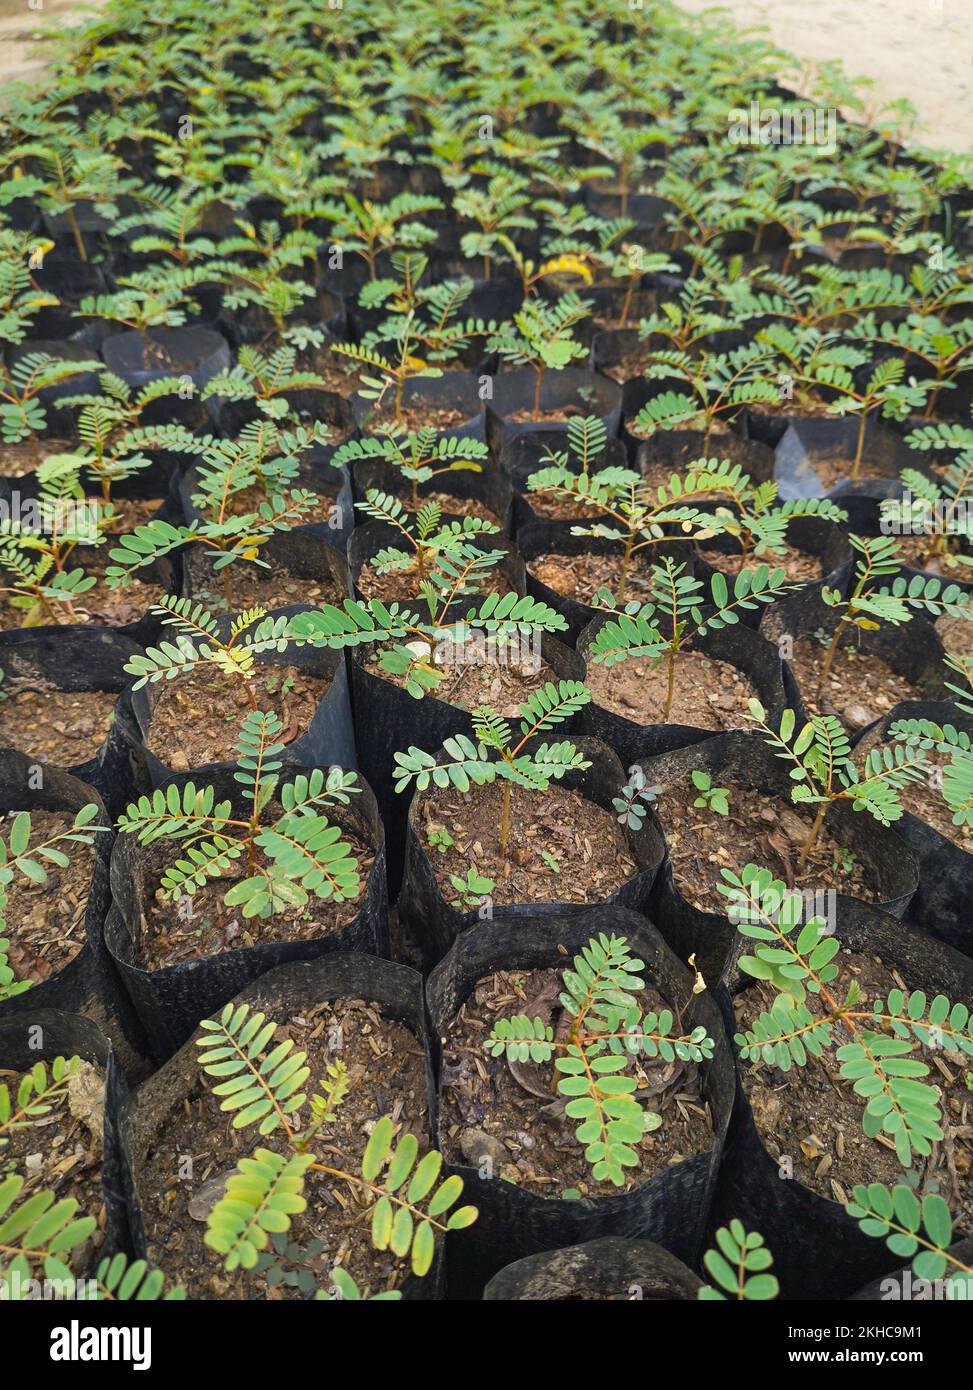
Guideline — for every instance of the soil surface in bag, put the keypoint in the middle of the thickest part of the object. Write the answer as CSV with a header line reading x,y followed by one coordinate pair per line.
x,y
611,1270
63,1150
171,935
579,577
758,829
62,727
97,605
707,693
801,566
45,922
421,416
252,586
561,847
321,509
196,718
510,1114
813,1115
956,635
497,681
860,688
387,1073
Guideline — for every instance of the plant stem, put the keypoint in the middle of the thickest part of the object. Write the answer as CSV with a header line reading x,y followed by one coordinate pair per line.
x,y
505,818
670,686
829,658
809,844
856,466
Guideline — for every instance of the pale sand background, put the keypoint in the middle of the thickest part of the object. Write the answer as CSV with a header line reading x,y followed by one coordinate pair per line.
x,y
920,49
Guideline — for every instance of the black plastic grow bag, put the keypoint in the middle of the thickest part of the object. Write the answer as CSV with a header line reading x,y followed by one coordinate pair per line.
x,y
671,1207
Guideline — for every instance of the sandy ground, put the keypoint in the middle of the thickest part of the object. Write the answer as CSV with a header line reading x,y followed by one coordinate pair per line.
x,y
919,49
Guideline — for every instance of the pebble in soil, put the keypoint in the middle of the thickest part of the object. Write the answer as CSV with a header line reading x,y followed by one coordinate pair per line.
x,y
580,577
254,587
509,1116
387,1074
812,1116
471,677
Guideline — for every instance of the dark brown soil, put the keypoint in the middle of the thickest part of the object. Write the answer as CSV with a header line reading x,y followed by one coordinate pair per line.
x,y
627,368
581,576
925,800
560,508
546,417
62,1150
860,688
343,381
129,512
587,843
813,1116
489,1117
920,553
196,718
758,830
386,1067
190,929
503,684
707,694
253,587
802,567
45,921
62,727
451,504
658,472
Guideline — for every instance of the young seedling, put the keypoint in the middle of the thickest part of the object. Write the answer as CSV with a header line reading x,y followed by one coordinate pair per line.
x,y
259,1079
199,643
607,1033
871,603
678,612
418,458
498,753
721,384
540,337
260,270
471,889
760,521
939,508
291,855
710,798
228,469
265,379
22,414
147,301
876,1046
824,771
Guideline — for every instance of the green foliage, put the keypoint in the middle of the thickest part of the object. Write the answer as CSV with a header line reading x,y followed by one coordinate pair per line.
x,y
608,1030
259,1081
712,798
739,1267
292,855
881,1041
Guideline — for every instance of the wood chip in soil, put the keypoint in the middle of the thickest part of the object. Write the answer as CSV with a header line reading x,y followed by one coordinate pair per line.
x,y
253,587
387,1070
860,687
98,606
544,417
45,921
581,576
420,417
813,1116
62,1150
802,566
61,727
921,553
758,829
589,847
627,368
17,460
196,718
177,931
707,694
488,1115
501,683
